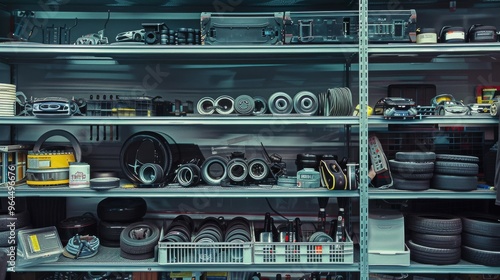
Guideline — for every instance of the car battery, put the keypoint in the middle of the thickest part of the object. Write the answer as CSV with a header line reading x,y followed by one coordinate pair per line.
x,y
242,28
321,27
392,26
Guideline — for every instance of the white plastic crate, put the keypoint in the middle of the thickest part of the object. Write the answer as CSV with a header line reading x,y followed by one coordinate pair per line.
x,y
204,253
304,252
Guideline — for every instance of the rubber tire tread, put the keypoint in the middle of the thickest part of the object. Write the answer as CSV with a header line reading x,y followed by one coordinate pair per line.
x,y
416,156
481,242
411,167
121,209
111,231
413,176
434,223
21,219
143,256
410,185
437,241
477,256
456,168
457,158
430,255
475,223
143,246
454,183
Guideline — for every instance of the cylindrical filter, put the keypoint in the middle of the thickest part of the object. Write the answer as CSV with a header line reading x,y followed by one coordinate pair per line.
x,y
79,175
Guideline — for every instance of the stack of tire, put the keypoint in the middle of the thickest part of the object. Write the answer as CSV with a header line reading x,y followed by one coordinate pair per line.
x,y
481,239
412,170
434,238
117,214
455,172
121,225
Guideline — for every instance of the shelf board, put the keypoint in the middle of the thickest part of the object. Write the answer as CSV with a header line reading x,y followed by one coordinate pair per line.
x,y
411,49
17,51
429,194
187,120
475,120
250,120
462,267
178,191
108,259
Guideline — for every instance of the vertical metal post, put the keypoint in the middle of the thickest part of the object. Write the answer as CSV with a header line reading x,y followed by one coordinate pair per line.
x,y
363,139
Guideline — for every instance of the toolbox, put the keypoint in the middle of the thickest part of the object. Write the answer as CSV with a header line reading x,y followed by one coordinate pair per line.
x,y
242,28
321,27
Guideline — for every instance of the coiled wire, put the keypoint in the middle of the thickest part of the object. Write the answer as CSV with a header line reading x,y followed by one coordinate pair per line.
x,y
188,175
336,102
79,247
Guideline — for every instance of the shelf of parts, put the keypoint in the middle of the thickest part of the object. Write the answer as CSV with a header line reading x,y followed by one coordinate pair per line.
x,y
178,191
108,259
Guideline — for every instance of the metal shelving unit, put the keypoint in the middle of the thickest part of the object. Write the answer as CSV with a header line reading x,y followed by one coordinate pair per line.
x,y
178,191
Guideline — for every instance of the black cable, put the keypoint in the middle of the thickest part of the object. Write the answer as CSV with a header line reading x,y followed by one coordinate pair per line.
x,y
276,212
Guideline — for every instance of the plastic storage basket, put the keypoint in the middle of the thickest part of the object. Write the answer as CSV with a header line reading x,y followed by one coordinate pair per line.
x,y
206,253
304,252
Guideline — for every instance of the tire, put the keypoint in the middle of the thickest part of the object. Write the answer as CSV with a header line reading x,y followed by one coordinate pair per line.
x,y
457,158
481,224
437,241
433,223
111,231
413,176
21,219
416,156
411,185
430,255
478,256
481,242
454,183
109,243
134,246
143,256
411,167
121,209
456,168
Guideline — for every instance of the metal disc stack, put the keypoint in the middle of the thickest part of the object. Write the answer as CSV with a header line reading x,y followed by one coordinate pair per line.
x,y
7,100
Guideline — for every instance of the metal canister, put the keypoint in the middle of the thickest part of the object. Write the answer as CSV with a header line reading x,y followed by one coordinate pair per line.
x,y
79,175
